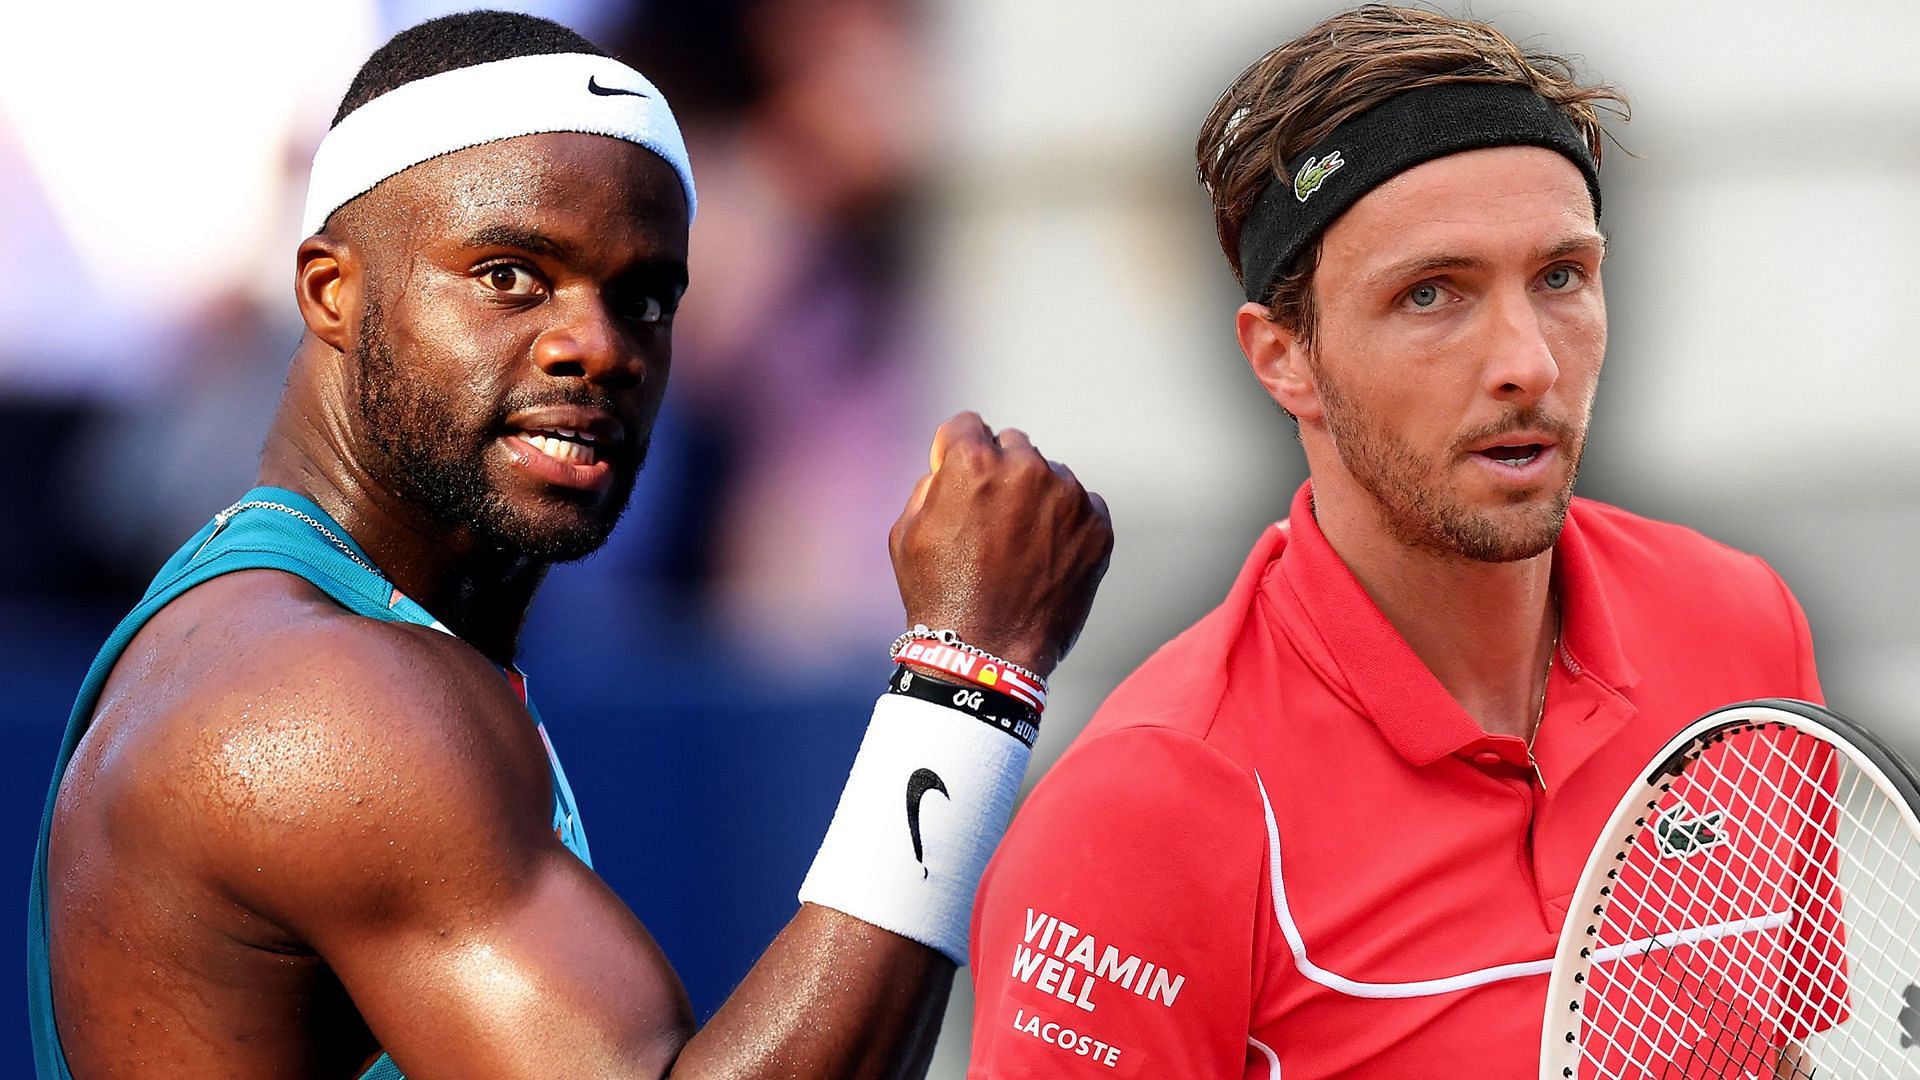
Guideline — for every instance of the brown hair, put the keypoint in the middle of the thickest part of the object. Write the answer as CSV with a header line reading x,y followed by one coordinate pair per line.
x,y
1294,96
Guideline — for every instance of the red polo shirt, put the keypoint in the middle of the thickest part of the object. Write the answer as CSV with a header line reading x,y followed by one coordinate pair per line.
x,y
1282,847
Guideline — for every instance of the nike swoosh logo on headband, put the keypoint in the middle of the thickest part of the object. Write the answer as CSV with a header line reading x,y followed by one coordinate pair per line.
x,y
611,91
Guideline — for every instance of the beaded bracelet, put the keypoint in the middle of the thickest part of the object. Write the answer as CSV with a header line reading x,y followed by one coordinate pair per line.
x,y
943,650
952,640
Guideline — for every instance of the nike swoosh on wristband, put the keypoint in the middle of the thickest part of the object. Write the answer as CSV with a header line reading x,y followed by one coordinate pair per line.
x,y
921,782
611,91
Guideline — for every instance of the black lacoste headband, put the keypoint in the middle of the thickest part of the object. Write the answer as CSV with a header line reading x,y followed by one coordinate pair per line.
x,y
1379,144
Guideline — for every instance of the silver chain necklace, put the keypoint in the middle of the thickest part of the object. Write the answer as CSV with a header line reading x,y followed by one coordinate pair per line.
x,y
220,522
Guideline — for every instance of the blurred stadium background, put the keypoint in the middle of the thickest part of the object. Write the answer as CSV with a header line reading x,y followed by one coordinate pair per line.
x,y
915,208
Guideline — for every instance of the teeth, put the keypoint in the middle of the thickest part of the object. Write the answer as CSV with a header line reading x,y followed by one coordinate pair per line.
x,y
1511,455
559,449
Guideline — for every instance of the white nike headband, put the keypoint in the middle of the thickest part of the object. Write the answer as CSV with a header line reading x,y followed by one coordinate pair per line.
x,y
524,95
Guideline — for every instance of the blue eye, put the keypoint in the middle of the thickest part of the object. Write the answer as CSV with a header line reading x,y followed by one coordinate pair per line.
x,y
1559,277
1424,296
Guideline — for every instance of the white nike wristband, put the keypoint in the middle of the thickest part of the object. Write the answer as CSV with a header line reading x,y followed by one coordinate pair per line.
x,y
929,797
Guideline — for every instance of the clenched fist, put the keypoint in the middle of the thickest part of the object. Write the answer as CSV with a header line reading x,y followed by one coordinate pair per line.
x,y
1000,545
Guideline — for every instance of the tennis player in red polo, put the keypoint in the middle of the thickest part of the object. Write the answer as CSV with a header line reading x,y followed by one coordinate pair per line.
x,y
1332,830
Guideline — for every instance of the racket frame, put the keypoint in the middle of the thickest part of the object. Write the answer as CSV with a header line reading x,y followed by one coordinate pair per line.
x,y
1572,958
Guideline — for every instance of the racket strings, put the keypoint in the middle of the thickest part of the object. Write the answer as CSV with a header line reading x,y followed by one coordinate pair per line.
x,y
1741,1031
1864,841
1868,857
1742,1042
1682,1002
1763,921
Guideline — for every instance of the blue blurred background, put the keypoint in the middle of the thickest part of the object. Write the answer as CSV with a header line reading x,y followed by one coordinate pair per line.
x,y
912,207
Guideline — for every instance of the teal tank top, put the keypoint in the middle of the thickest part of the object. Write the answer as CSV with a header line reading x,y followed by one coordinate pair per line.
x,y
269,528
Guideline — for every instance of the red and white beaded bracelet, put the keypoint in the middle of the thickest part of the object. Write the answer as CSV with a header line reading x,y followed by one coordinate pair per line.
x,y
942,650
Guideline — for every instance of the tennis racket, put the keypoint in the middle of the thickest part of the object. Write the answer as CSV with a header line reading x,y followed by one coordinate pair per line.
x,y
1752,910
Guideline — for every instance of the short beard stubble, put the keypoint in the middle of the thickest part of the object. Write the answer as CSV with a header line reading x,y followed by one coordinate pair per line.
x,y
430,457
1425,516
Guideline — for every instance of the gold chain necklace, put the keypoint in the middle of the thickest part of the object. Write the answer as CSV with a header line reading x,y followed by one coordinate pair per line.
x,y
1540,716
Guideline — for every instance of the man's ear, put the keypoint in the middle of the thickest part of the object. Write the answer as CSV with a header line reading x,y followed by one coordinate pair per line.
x,y
327,284
1278,357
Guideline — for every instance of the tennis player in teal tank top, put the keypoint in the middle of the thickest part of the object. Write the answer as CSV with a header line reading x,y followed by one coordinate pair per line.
x,y
270,529
304,820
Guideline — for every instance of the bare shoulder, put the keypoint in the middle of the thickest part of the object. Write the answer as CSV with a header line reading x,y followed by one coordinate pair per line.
x,y
308,761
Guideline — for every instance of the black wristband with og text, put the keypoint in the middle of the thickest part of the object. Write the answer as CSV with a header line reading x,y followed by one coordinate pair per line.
x,y
994,709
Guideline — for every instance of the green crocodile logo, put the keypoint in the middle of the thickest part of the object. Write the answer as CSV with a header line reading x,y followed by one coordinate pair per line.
x,y
1682,833
1314,172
